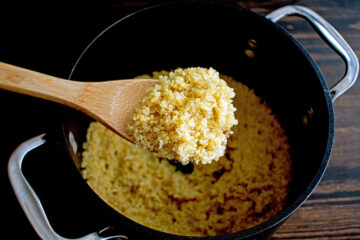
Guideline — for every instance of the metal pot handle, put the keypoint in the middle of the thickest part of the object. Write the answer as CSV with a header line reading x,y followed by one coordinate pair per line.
x,y
30,202
332,38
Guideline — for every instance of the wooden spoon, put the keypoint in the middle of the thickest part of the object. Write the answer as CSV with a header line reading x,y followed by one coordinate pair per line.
x,y
109,102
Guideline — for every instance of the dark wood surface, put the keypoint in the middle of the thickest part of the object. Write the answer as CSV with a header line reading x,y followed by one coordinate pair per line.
x,y
49,36
333,210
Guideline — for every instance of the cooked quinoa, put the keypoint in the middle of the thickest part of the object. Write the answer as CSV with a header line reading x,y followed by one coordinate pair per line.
x,y
244,188
186,116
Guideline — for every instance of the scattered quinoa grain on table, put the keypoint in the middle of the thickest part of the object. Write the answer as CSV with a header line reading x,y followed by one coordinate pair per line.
x,y
246,187
186,116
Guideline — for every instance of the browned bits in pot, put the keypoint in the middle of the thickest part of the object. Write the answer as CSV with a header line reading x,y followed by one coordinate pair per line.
x,y
252,43
310,112
249,53
305,120
308,116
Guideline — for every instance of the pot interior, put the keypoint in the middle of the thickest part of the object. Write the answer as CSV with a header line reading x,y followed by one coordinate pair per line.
x,y
217,35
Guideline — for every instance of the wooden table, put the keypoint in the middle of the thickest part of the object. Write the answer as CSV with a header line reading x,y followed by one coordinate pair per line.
x,y
50,36
333,210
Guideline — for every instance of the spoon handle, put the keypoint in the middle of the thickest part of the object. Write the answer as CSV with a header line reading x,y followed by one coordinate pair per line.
x,y
109,102
39,85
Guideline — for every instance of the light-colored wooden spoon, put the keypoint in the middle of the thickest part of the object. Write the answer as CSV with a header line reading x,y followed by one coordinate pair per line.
x,y
109,102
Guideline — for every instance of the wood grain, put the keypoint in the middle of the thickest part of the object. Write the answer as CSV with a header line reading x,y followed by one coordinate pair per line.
x,y
109,102
333,210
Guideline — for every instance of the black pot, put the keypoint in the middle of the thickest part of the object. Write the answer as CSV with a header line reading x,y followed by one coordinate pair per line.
x,y
208,34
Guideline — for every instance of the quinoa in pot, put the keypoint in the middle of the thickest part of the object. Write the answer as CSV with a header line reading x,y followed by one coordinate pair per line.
x,y
246,187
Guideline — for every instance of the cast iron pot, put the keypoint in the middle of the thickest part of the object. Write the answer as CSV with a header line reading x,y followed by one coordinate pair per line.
x,y
208,34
